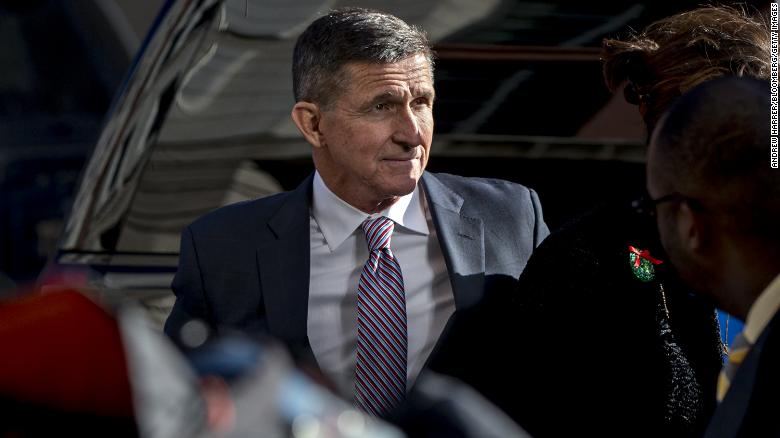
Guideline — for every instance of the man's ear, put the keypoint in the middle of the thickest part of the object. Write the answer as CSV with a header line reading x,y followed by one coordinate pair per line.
x,y
692,228
307,116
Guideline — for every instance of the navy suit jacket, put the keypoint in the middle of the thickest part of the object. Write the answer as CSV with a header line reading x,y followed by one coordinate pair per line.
x,y
246,266
751,407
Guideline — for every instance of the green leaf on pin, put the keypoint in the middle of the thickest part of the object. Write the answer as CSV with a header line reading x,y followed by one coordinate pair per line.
x,y
642,264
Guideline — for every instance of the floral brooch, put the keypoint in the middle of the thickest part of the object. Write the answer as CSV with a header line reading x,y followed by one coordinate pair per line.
x,y
642,263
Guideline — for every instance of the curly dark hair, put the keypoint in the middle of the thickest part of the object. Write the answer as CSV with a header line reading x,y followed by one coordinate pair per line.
x,y
674,54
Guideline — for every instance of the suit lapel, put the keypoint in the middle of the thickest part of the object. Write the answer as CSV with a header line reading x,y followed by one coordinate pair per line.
x,y
461,240
283,264
283,259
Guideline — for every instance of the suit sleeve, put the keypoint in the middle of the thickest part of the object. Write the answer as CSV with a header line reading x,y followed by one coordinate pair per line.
x,y
540,227
188,287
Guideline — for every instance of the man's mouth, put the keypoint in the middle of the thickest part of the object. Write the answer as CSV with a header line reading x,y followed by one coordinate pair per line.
x,y
408,157
400,159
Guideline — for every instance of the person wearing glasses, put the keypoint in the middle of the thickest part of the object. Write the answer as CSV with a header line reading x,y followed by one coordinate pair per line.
x,y
606,339
717,203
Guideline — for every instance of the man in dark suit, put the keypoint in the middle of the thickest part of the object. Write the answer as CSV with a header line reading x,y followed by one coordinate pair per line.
x,y
361,268
717,202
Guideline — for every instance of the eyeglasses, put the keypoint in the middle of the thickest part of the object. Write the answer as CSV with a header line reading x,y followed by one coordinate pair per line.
x,y
646,205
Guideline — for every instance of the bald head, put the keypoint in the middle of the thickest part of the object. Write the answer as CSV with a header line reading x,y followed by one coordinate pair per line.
x,y
713,145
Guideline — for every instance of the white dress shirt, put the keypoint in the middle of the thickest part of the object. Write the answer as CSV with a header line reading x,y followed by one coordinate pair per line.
x,y
762,311
338,253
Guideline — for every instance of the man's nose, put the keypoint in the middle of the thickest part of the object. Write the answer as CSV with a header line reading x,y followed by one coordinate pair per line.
x,y
407,128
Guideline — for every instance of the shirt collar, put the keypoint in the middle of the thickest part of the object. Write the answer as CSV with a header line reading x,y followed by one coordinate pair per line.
x,y
338,220
762,311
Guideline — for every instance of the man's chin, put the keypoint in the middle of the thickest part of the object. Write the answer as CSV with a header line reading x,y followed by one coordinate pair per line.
x,y
399,184
395,194
405,187
398,170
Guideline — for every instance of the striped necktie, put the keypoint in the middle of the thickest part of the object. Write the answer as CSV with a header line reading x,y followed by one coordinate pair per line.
x,y
739,349
380,373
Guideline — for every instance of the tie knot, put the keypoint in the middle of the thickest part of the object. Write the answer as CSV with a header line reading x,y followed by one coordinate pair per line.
x,y
378,232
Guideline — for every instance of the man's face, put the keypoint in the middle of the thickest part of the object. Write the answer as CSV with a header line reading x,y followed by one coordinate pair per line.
x,y
664,215
376,134
672,222
690,238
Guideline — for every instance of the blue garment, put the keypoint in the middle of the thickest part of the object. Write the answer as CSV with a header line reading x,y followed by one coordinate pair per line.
x,y
734,325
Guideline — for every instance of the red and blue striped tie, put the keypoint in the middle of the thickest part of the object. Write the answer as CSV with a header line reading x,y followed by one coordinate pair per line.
x,y
380,382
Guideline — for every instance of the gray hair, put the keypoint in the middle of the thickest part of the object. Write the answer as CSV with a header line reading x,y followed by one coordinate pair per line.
x,y
347,35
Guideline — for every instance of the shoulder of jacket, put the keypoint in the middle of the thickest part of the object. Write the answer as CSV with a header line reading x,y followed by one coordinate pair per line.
x,y
488,185
243,212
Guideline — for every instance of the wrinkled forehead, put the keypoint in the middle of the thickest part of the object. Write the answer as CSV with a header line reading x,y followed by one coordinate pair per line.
x,y
414,72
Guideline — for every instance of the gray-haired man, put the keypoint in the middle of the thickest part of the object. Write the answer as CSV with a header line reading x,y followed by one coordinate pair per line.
x,y
361,268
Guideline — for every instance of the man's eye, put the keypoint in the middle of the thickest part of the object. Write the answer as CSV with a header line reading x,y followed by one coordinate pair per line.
x,y
421,101
381,107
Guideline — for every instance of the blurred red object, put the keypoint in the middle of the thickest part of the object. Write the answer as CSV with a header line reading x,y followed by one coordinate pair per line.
x,y
64,278
62,351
